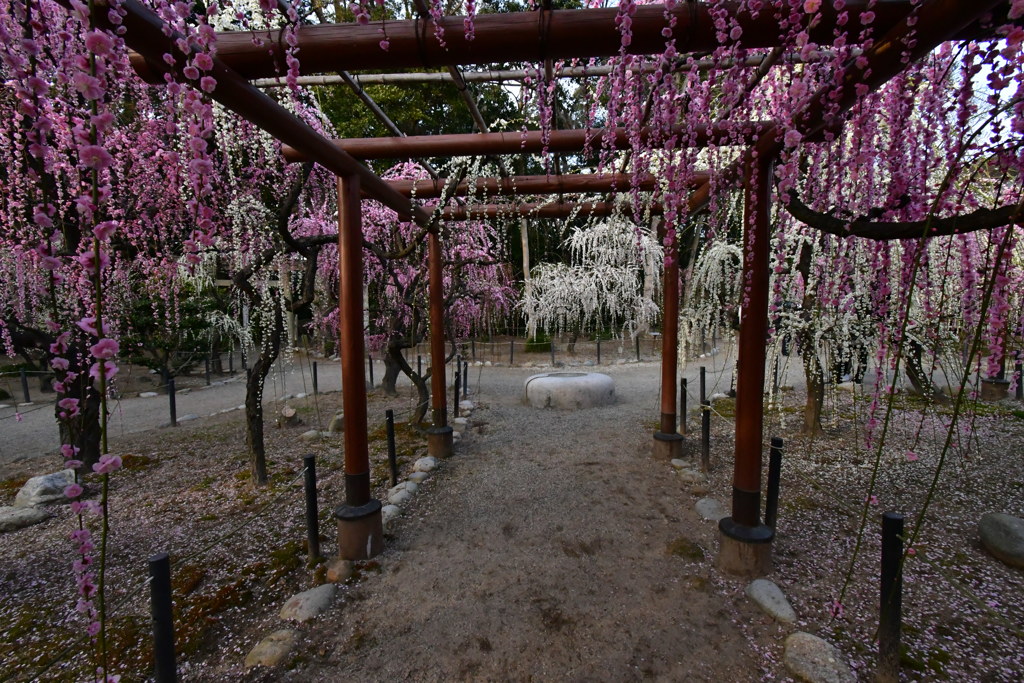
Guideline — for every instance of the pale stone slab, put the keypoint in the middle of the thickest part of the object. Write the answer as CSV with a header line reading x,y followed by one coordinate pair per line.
x,y
14,518
419,477
1003,536
811,659
569,390
769,597
426,464
308,604
710,509
272,650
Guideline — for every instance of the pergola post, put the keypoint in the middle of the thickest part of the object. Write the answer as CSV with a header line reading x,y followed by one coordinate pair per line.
x,y
745,541
360,530
439,436
668,443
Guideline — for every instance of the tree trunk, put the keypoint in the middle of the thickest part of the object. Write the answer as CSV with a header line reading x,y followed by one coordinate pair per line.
x,y
258,372
392,368
919,379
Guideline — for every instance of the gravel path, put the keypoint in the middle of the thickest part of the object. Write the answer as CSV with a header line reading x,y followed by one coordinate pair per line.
x,y
552,546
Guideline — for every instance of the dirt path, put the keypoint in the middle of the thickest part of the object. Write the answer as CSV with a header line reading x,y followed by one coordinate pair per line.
x,y
550,547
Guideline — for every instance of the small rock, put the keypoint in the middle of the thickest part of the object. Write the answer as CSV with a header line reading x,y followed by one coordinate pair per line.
x,y
399,497
710,509
47,488
487,363
411,486
148,394
419,477
389,512
308,604
589,363
311,435
769,597
188,418
338,570
460,421
14,518
456,436
699,489
1003,536
690,476
301,395
718,396
337,425
814,660
427,464
846,386
273,649
679,464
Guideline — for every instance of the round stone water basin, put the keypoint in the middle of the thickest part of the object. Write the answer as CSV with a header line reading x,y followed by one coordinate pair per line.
x,y
569,390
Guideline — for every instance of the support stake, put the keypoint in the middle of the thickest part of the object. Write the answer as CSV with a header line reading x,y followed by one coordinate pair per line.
x,y
164,670
771,503
392,457
312,512
891,599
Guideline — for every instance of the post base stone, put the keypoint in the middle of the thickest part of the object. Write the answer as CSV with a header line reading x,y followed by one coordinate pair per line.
x,y
360,531
744,550
439,442
667,446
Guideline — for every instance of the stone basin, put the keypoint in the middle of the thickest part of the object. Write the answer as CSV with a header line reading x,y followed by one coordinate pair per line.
x,y
569,390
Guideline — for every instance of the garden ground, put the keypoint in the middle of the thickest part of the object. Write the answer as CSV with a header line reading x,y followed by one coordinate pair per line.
x,y
552,546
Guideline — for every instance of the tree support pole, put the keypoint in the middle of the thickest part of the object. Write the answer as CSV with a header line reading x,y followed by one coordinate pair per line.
x,y
360,530
668,443
439,437
745,541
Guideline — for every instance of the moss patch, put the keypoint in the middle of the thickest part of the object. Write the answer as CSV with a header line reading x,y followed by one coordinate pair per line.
x,y
686,549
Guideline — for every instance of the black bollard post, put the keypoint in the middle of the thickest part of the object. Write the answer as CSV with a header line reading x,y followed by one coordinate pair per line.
x,y
316,387
392,457
312,513
771,504
161,607
1018,376
172,402
369,360
24,385
682,405
511,352
551,347
703,385
638,348
456,384
891,599
231,362
465,378
705,436
206,370
472,346
598,350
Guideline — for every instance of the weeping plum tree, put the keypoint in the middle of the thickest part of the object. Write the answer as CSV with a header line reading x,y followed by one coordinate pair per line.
x,y
613,279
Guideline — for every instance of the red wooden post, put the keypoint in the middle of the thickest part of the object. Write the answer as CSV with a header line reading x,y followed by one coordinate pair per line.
x,y
668,443
360,530
745,542
439,437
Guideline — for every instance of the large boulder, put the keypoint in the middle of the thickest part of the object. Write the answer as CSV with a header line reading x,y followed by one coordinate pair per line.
x,y
47,488
569,390
1003,536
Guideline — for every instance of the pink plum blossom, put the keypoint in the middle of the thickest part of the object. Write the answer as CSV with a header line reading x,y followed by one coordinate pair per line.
x,y
107,464
104,230
105,348
73,490
109,370
94,156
